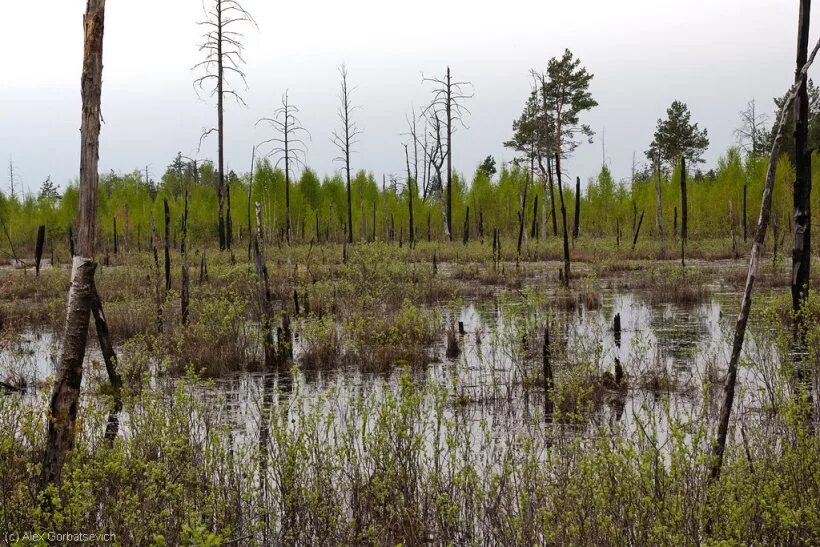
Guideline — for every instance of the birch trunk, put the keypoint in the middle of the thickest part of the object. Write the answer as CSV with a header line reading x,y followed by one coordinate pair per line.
x,y
66,393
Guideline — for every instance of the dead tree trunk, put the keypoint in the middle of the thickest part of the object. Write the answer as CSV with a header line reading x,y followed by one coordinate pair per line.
x,y
467,226
576,229
675,223
110,359
127,230
203,267
449,112
637,231
684,212
38,251
411,234
344,140
534,229
552,200
167,246
754,256
184,295
801,249
250,190
732,229
66,392
745,224
220,113
263,297
158,295
659,205
619,369
222,45
563,220
522,214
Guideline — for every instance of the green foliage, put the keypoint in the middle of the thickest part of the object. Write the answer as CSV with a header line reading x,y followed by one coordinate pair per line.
x,y
487,167
677,137
399,466
565,92
715,205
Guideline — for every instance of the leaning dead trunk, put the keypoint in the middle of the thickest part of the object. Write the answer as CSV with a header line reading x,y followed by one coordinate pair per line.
x,y
754,256
637,231
110,358
66,393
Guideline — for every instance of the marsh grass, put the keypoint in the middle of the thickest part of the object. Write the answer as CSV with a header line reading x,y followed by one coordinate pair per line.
x,y
404,466
321,346
445,458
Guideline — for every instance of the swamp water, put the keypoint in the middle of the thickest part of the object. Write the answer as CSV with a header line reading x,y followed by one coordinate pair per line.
x,y
670,354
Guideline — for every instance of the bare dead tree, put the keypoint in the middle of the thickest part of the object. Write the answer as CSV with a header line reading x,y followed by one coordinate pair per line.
x,y
345,137
66,391
412,132
448,99
411,195
436,157
288,146
11,176
427,165
223,51
751,135
754,256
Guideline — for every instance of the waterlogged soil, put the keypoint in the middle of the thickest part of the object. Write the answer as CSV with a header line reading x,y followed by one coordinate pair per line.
x,y
674,357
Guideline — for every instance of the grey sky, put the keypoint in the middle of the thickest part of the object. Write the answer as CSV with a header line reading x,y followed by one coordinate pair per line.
x,y
715,55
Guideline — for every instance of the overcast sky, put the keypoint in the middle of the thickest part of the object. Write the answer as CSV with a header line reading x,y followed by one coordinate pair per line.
x,y
715,55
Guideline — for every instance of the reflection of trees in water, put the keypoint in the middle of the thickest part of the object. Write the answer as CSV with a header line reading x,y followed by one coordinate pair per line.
x,y
680,332
276,387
